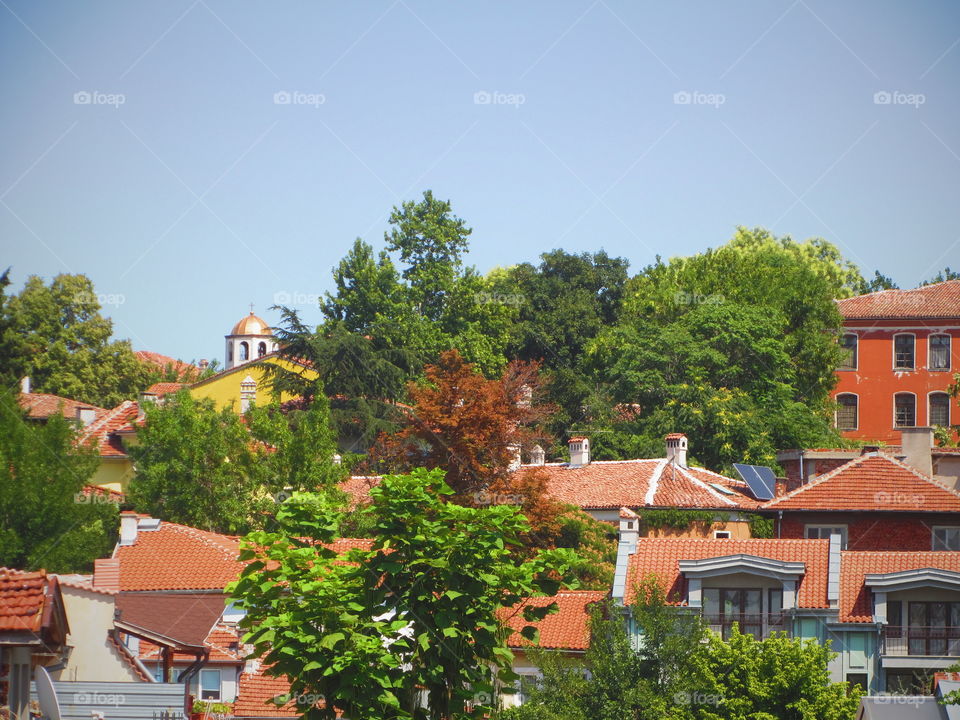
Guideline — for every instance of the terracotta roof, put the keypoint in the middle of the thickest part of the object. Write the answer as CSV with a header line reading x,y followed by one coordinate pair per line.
x,y
855,602
874,482
40,406
254,692
83,582
358,487
182,620
223,641
661,557
941,300
184,371
22,599
102,432
642,483
164,388
566,629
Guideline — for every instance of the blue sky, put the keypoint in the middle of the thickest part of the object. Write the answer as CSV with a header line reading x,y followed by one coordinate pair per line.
x,y
194,156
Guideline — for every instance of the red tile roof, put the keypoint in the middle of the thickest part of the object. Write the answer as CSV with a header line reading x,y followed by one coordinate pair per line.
x,y
223,641
941,300
642,483
40,406
23,596
184,371
358,487
102,433
165,388
661,558
855,602
254,693
566,629
874,482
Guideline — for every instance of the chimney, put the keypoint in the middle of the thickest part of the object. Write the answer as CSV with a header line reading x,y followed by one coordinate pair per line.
x,y
917,443
833,570
626,546
106,573
537,456
870,450
25,384
145,397
337,459
579,451
86,415
128,527
514,450
677,449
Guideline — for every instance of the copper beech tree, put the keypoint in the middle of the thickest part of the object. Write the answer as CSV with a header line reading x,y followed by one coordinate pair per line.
x,y
473,428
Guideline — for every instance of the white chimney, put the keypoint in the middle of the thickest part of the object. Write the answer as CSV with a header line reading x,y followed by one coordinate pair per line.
x,y
537,456
86,415
514,450
337,459
25,384
128,528
677,449
579,451
917,443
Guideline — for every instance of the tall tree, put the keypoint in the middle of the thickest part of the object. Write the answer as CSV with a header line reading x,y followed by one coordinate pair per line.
x,y
407,629
943,276
67,343
47,518
13,356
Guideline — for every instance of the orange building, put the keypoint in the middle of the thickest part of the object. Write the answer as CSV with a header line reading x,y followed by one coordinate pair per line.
x,y
902,352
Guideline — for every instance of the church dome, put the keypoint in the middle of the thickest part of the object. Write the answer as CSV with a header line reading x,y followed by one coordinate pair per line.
x,y
251,325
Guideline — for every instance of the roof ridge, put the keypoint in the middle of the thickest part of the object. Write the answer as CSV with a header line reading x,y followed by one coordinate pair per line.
x,y
95,427
202,535
823,478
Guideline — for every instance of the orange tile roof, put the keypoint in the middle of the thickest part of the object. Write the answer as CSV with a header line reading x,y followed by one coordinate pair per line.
x,y
102,432
566,629
661,557
22,599
642,483
871,483
941,300
164,388
855,602
40,406
184,371
358,487
223,641
254,692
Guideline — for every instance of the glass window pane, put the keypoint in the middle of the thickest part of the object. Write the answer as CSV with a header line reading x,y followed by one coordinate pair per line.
x,y
939,409
751,602
846,412
939,352
848,346
918,614
905,410
903,351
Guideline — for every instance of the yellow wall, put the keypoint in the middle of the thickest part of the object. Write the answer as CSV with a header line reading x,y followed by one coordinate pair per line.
x,y
224,388
739,530
114,474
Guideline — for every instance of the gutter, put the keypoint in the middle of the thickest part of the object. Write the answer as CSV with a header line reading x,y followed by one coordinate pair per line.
x,y
186,677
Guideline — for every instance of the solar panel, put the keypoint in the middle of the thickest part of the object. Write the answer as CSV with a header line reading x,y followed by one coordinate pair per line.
x,y
760,479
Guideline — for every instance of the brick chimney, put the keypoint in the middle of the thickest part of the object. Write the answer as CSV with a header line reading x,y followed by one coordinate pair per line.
x,y
579,451
917,443
676,449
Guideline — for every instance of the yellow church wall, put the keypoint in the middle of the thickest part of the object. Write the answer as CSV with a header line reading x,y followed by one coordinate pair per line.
x,y
224,388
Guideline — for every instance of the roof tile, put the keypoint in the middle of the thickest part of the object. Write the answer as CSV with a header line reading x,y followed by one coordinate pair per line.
x,y
940,300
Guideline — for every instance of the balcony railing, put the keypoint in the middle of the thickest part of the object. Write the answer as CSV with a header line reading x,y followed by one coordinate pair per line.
x,y
917,640
760,626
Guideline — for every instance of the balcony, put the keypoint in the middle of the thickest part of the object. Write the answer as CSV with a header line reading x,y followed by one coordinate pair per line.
x,y
760,626
916,640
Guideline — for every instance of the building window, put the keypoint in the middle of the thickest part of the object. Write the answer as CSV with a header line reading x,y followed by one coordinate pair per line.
x,y
229,352
848,346
933,628
261,349
823,532
244,352
846,411
722,607
939,352
528,684
903,352
722,534
946,538
939,409
209,684
855,680
904,410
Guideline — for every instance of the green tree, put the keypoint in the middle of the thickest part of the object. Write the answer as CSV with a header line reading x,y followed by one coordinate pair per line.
x,y
67,346
13,356
414,614
944,275
46,518
879,282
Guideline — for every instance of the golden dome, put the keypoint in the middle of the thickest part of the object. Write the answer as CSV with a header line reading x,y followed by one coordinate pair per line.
x,y
251,325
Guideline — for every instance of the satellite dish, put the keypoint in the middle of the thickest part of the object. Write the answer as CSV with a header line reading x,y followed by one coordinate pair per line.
x,y
46,695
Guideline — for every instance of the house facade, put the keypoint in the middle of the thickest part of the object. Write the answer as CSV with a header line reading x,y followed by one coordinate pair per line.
x,y
901,351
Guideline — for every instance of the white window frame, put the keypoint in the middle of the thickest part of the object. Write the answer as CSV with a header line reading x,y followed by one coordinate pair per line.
x,y
893,350
219,696
856,425
933,537
930,338
904,392
856,353
722,534
938,392
821,526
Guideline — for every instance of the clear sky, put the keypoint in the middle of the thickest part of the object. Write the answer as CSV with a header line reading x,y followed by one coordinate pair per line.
x,y
195,156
